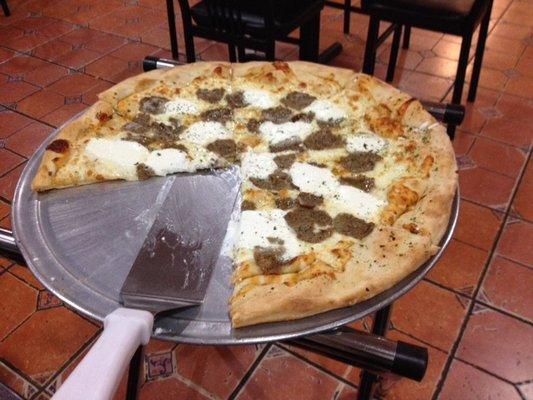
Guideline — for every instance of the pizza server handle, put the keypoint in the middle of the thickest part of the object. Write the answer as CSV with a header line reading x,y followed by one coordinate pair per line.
x,y
367,351
9,248
98,375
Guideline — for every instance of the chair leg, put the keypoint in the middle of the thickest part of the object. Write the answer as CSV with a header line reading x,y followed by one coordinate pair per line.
x,y
406,37
480,49
450,131
242,54
232,54
461,68
309,39
171,15
5,7
347,14
270,51
371,46
394,52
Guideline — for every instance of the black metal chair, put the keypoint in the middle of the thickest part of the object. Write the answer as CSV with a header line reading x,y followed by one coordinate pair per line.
x,y
455,17
243,24
5,8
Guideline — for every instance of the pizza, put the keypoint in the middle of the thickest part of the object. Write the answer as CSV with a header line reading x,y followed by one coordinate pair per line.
x,y
346,182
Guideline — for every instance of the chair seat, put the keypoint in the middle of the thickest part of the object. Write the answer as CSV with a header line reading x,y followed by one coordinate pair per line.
x,y
449,16
285,13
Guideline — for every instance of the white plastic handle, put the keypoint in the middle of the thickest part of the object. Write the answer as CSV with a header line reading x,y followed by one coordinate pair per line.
x,y
97,376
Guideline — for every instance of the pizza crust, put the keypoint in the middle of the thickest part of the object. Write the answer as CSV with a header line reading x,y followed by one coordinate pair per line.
x,y
47,176
362,279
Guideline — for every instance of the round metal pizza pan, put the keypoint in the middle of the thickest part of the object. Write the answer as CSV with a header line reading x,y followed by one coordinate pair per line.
x,y
81,242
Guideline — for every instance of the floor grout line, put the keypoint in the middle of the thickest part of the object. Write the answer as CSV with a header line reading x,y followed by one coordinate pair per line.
x,y
495,243
484,303
318,366
244,380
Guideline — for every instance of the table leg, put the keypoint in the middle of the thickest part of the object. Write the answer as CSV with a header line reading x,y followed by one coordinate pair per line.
x,y
379,327
171,15
309,39
134,374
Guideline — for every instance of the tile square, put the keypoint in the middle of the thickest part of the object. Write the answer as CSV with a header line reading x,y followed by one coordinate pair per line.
x,y
522,205
11,92
8,161
499,344
498,157
16,382
485,187
41,103
63,114
459,268
216,369
515,242
24,274
55,334
440,326
74,84
466,382
172,388
11,122
507,286
18,303
269,380
26,140
8,182
508,130
53,49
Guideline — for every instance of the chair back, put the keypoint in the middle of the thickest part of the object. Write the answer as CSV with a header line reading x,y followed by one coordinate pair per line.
x,y
226,18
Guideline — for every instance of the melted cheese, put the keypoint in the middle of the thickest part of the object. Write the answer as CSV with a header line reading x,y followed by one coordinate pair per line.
x,y
259,98
258,165
315,180
257,226
201,158
348,199
326,110
181,106
116,158
168,161
365,142
203,132
275,133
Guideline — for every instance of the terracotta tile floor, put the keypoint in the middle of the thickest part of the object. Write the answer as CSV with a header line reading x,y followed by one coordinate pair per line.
x,y
473,311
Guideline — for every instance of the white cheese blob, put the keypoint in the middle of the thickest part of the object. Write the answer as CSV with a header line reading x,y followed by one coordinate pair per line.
x,y
366,142
168,161
118,158
315,180
259,98
258,165
325,110
181,106
276,133
257,226
351,200
205,132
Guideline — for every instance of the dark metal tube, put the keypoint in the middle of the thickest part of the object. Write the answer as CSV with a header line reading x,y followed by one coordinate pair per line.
x,y
150,63
452,114
9,248
368,351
